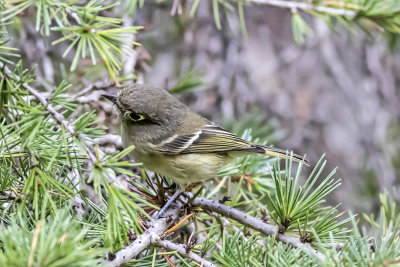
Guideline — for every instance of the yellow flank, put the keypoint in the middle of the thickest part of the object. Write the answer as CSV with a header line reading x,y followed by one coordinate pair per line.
x,y
186,168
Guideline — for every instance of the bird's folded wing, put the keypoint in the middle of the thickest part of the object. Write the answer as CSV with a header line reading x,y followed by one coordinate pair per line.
x,y
210,139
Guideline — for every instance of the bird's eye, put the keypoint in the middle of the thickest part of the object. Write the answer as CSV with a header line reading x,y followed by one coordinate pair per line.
x,y
136,117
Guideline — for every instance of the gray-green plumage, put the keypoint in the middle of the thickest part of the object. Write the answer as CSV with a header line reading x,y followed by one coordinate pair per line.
x,y
172,140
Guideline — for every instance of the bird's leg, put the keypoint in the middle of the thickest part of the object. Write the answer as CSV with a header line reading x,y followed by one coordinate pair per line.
x,y
162,210
182,191
172,186
191,186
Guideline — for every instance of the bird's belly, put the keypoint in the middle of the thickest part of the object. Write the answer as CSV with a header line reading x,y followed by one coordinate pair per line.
x,y
185,168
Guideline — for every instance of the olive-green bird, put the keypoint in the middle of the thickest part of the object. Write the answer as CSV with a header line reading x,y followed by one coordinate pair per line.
x,y
172,140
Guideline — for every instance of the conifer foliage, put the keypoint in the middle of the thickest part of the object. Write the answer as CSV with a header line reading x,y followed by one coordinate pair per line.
x,y
70,195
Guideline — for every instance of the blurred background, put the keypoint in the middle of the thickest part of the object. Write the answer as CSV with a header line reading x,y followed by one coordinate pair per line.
x,y
338,93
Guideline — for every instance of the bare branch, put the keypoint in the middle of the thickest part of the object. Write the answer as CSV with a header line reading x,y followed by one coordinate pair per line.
x,y
110,139
73,15
152,237
144,240
306,6
96,85
254,223
180,248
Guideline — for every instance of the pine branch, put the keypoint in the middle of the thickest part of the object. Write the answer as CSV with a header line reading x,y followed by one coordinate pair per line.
x,y
180,248
58,117
306,6
254,223
144,240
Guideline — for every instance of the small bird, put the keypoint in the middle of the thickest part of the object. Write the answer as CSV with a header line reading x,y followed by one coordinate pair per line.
x,y
172,140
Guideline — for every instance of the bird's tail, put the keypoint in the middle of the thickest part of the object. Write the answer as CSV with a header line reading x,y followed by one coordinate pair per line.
x,y
283,154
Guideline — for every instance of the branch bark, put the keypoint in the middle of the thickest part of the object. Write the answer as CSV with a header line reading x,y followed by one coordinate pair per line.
x,y
152,237
144,240
93,86
180,248
254,223
113,139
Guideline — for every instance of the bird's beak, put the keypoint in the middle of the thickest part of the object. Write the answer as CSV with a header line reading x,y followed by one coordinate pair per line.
x,y
112,98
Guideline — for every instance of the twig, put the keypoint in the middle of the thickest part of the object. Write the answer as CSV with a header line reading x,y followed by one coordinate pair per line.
x,y
180,248
73,15
109,139
97,85
144,240
306,6
254,223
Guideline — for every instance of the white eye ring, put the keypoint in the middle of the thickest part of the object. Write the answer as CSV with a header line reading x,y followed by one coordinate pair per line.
x,y
136,117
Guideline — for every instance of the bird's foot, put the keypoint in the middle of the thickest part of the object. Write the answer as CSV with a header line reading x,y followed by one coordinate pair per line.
x,y
173,186
159,215
161,212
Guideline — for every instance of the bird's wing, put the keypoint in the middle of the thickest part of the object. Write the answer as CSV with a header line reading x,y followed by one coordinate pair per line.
x,y
210,139
214,139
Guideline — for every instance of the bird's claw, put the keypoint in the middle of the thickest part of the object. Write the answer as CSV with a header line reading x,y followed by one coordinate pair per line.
x,y
159,215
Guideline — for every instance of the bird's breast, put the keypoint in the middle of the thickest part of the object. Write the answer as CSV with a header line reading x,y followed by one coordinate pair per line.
x,y
185,168
182,168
